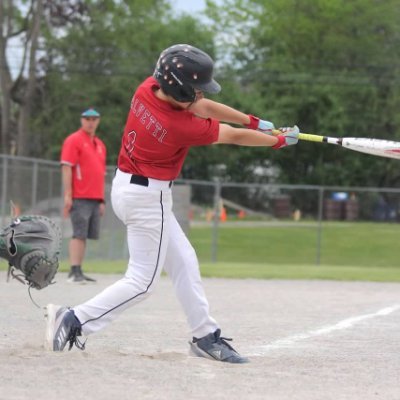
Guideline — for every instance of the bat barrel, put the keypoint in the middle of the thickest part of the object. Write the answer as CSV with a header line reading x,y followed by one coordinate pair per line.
x,y
376,147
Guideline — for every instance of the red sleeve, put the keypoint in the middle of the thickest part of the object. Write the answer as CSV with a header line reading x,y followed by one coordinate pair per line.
x,y
196,131
70,151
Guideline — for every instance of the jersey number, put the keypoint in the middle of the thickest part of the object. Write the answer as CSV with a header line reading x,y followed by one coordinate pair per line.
x,y
130,142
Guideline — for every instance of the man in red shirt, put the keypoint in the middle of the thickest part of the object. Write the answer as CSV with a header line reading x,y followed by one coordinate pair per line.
x,y
83,163
168,115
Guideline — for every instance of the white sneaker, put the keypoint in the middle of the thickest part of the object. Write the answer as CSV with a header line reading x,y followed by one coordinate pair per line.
x,y
62,327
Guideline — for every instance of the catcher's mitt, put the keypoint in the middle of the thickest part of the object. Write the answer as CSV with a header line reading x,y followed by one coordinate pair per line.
x,y
32,244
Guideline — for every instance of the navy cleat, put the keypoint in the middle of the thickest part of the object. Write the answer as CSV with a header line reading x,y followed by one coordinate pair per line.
x,y
215,347
62,327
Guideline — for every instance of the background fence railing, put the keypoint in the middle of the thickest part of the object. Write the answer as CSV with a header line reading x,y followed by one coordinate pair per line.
x,y
253,222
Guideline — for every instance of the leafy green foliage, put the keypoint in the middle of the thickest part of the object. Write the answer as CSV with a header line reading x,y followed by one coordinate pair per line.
x,y
100,61
329,66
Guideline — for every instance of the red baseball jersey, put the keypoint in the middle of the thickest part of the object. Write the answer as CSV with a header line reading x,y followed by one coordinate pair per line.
x,y
157,136
87,157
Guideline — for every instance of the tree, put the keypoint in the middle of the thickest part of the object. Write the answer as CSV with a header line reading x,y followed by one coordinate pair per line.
x,y
21,23
100,62
330,66
76,54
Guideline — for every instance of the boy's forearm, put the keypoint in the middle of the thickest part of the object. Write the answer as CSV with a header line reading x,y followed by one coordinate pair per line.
x,y
244,137
207,108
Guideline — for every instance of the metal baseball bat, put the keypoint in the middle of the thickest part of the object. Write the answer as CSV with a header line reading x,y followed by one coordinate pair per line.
x,y
376,147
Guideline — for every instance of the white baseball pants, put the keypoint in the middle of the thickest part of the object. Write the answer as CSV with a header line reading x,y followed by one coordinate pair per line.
x,y
155,242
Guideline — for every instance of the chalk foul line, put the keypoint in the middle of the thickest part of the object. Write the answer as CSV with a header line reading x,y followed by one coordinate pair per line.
x,y
325,330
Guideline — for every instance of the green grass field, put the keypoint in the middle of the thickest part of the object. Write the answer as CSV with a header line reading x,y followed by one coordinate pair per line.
x,y
349,251
342,244
238,270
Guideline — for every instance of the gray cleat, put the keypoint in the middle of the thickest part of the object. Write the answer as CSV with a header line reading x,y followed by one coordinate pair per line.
x,y
215,347
62,327
77,276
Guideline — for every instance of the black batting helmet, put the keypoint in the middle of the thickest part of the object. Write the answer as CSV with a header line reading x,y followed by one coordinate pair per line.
x,y
183,68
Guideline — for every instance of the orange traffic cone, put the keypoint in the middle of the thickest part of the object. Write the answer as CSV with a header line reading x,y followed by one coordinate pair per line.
x,y
223,217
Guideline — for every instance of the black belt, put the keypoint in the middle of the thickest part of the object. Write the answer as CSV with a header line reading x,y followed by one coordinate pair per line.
x,y
142,180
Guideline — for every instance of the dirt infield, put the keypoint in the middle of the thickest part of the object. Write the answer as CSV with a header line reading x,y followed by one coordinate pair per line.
x,y
306,340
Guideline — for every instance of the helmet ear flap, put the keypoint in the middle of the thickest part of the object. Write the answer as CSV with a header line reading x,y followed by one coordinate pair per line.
x,y
174,85
187,94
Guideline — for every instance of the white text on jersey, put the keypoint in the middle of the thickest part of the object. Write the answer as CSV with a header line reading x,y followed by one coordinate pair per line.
x,y
148,120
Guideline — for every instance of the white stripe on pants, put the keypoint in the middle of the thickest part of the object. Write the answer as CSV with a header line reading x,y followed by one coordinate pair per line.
x,y
155,240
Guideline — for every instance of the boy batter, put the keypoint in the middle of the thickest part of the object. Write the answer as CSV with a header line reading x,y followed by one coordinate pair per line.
x,y
167,116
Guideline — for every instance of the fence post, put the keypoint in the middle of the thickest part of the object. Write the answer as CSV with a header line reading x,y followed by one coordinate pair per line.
x,y
4,190
34,185
319,228
49,187
217,201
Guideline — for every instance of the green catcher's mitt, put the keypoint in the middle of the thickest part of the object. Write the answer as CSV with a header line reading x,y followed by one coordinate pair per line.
x,y
31,244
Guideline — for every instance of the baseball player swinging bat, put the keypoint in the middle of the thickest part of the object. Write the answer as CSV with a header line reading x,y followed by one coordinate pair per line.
x,y
376,147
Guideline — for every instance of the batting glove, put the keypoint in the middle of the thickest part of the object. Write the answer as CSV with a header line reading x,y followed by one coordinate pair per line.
x,y
260,125
289,137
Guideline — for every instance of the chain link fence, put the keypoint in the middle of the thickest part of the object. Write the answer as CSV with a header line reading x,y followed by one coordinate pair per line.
x,y
233,222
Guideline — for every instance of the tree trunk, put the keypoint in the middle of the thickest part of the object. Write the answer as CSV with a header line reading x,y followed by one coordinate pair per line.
x,y
5,85
28,96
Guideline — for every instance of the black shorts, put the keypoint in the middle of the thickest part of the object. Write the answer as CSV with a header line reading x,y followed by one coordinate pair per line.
x,y
85,219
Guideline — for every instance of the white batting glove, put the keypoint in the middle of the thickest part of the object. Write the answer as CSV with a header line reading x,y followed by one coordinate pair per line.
x,y
288,137
260,125
265,126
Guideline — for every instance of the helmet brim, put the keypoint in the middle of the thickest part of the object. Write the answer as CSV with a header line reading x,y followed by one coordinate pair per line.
x,y
212,87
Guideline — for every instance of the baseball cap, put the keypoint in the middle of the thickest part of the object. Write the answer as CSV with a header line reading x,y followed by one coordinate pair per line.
x,y
90,112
